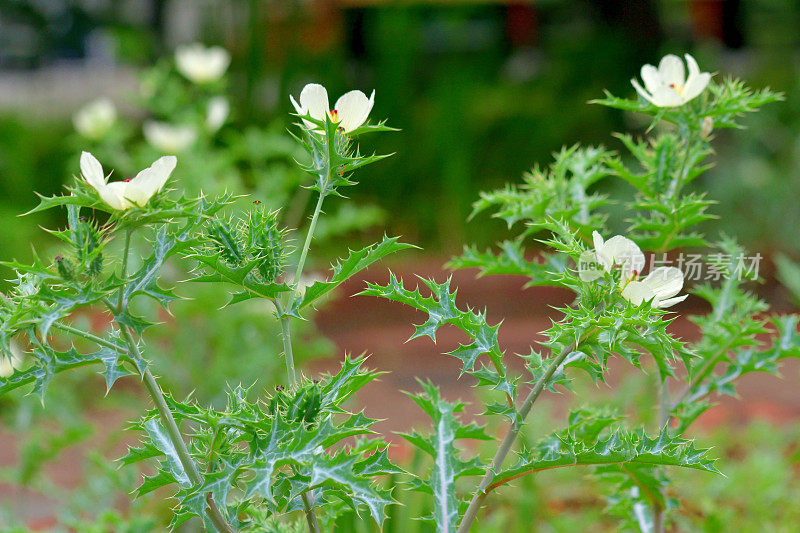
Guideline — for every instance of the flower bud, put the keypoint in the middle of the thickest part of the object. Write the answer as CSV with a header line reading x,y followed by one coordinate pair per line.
x,y
265,242
706,127
65,268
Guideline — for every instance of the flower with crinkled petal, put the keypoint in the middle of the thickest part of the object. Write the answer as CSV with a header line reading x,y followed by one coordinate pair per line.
x,y
667,85
659,288
217,112
122,195
617,250
200,64
167,137
95,118
13,361
350,112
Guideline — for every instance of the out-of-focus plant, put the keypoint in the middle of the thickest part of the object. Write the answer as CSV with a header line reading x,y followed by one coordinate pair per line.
x,y
616,311
239,466
184,109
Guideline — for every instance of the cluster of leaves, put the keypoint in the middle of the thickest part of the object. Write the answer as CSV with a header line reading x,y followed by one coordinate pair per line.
x,y
597,439
563,202
333,154
560,192
664,218
45,296
249,252
441,310
724,102
259,457
731,337
447,466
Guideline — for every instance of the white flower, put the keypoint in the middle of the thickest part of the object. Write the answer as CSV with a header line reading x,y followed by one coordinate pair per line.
x,y
217,112
660,287
351,109
123,195
200,64
167,137
667,85
12,361
95,118
617,250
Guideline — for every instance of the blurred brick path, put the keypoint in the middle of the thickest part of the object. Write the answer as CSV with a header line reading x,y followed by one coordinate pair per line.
x,y
378,327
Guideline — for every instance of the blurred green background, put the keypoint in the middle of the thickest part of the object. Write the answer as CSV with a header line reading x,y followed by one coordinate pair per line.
x,y
481,89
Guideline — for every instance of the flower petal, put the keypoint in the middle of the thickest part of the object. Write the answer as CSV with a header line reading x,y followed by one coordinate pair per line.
x,y
168,138
672,71
665,281
150,180
695,85
668,97
314,101
669,302
114,195
622,251
353,108
217,111
637,292
92,171
598,241
651,78
589,268
200,64
644,94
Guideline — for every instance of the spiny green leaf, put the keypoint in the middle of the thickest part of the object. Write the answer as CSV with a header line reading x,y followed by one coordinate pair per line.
x,y
354,263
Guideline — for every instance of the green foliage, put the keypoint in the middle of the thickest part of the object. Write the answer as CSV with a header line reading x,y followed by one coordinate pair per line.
x,y
596,439
256,462
269,452
441,310
723,102
347,268
440,446
560,191
333,154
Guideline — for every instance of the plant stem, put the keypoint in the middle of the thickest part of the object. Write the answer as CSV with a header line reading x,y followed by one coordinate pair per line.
x,y
286,335
125,255
664,408
160,402
86,335
309,236
174,433
508,440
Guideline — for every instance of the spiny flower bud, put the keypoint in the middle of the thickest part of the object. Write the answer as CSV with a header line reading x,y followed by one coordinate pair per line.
x,y
224,240
65,268
706,127
87,242
265,243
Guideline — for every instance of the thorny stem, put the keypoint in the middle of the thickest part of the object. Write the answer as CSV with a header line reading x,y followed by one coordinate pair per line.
x,y
664,404
309,236
125,254
86,335
511,436
664,408
286,336
160,402
174,433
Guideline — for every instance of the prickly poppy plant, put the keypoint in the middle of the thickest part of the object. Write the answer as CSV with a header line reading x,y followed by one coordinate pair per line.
x,y
297,457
